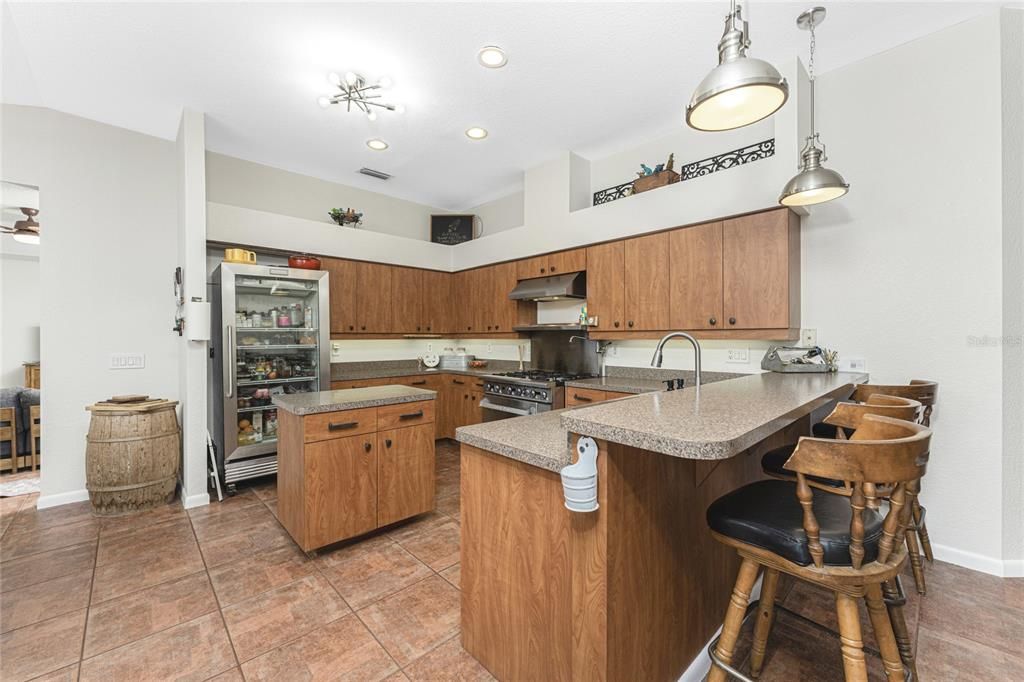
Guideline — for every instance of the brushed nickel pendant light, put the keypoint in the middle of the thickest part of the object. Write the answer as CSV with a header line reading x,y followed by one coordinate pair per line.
x,y
814,184
739,91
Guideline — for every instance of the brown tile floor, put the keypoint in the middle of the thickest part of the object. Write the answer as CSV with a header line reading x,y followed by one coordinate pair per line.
x,y
221,592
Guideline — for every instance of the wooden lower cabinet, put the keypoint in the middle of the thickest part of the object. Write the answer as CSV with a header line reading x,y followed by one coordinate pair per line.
x,y
342,485
581,397
405,473
341,489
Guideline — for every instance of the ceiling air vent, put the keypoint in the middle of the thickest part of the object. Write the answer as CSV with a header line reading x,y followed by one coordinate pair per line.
x,y
380,175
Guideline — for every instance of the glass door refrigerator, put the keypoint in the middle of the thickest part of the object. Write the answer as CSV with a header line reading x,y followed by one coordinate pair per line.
x,y
271,335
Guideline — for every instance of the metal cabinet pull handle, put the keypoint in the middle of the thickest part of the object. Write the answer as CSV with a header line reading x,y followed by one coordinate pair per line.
x,y
582,398
367,447
418,383
616,323
630,323
341,426
411,415
456,381
387,442
712,321
732,320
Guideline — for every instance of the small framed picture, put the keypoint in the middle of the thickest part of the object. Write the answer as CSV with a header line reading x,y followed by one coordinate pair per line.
x,y
451,229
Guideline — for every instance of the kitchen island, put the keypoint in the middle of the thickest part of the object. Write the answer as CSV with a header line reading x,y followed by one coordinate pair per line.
x,y
351,461
634,590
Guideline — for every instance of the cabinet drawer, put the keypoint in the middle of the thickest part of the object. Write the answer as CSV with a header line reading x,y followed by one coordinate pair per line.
x,y
339,424
583,396
405,414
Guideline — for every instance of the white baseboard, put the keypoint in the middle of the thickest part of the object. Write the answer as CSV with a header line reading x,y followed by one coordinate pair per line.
x,y
977,562
701,665
1013,568
190,501
47,501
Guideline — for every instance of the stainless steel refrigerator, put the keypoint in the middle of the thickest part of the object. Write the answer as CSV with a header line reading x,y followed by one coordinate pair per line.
x,y
271,335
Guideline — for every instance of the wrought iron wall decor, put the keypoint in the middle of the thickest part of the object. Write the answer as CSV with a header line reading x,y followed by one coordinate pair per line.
x,y
689,171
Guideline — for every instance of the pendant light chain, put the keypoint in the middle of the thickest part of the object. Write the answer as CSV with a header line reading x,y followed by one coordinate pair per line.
x,y
810,74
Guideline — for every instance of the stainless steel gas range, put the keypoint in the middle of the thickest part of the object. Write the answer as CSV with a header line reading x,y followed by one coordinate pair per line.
x,y
513,394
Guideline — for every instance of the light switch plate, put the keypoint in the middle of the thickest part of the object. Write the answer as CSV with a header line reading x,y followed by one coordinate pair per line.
x,y
127,361
858,364
490,348
808,338
430,347
738,355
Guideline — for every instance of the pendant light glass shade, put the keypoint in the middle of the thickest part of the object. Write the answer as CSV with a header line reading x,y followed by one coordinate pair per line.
x,y
739,91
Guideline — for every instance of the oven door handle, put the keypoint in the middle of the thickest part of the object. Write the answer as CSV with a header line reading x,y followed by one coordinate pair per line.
x,y
488,405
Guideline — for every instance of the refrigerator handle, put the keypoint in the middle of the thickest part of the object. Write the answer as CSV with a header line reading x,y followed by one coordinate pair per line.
x,y
229,361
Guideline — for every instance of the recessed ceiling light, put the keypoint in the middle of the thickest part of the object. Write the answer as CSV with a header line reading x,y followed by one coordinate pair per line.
x,y
476,133
492,57
377,145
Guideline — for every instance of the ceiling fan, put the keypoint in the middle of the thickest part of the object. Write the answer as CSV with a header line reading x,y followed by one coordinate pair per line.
x,y
25,231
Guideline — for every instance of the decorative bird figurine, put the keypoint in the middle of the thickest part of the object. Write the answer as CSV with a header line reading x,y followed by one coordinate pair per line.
x,y
660,167
647,169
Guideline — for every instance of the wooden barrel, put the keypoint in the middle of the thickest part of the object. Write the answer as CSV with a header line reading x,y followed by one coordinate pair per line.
x,y
132,456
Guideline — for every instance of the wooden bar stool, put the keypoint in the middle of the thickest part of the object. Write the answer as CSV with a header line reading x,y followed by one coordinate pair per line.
x,y
35,433
926,393
9,433
830,540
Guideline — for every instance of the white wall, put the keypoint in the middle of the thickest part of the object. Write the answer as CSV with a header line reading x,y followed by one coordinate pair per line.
x,y
905,269
106,261
500,214
19,310
243,183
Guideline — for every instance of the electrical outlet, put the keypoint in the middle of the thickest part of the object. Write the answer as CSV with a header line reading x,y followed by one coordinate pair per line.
x,y
490,348
430,347
808,338
615,350
738,355
127,361
858,364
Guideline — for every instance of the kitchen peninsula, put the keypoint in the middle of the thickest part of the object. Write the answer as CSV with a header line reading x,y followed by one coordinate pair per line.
x,y
635,589
353,460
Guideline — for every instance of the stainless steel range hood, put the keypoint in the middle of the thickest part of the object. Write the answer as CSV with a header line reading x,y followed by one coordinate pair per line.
x,y
572,285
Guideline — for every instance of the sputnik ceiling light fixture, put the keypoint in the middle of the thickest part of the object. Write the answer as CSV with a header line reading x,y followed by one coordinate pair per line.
x,y
739,91
814,184
354,91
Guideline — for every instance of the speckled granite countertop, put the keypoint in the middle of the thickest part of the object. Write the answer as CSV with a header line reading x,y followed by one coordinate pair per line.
x,y
538,439
647,384
729,417
350,399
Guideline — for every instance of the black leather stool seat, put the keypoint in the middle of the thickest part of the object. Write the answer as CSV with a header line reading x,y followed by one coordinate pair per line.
x,y
823,430
772,463
767,514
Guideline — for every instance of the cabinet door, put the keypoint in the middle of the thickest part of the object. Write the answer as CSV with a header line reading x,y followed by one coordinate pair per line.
x,y
342,274
648,276
405,473
437,303
373,298
464,300
407,300
583,396
756,270
606,285
499,311
573,260
696,284
341,489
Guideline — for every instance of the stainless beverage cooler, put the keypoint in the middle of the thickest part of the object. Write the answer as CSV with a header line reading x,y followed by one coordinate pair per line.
x,y
271,335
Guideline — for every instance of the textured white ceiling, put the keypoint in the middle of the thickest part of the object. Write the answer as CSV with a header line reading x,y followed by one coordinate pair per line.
x,y
589,77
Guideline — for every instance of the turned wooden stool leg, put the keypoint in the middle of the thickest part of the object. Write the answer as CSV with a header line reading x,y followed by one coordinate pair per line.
x,y
899,625
884,634
765,616
854,666
922,531
914,550
738,603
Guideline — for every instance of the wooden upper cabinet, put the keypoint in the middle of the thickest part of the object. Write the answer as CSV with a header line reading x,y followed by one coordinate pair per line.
x,y
558,263
606,285
465,299
648,277
499,311
696,283
761,274
407,301
373,298
342,276
437,303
